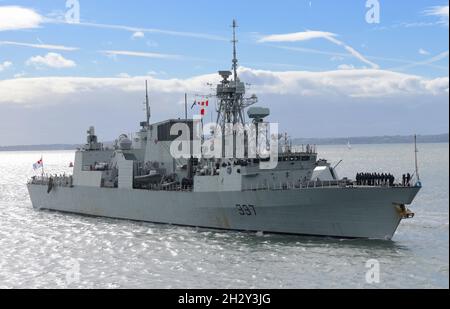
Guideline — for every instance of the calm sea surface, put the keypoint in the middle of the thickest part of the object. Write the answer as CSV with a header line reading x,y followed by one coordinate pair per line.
x,y
41,249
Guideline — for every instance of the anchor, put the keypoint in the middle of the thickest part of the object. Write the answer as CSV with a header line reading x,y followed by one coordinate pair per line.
x,y
404,212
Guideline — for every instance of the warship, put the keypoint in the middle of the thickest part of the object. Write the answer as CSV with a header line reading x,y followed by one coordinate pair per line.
x,y
165,174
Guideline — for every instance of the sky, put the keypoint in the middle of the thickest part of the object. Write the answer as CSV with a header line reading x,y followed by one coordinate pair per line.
x,y
324,68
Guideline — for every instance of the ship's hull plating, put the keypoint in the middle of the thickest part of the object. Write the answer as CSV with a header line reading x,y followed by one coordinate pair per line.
x,y
368,212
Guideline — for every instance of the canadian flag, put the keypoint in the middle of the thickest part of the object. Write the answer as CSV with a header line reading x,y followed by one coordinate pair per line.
x,y
39,164
204,105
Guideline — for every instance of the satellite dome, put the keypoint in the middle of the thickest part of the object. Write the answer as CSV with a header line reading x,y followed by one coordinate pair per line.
x,y
124,142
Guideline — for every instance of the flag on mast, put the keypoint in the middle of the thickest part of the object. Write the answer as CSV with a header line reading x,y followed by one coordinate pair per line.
x,y
39,164
204,105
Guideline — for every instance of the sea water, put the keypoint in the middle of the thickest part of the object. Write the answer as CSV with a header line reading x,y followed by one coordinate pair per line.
x,y
42,249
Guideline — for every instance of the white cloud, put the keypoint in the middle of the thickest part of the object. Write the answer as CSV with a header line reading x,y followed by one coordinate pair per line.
x,y
16,18
5,65
113,53
358,83
296,37
138,35
346,67
40,46
194,35
353,52
124,75
439,11
20,75
342,56
423,52
337,58
341,84
313,51
52,60
155,73
430,61
309,35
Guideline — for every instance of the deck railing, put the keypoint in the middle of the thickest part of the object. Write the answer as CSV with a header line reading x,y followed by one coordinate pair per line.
x,y
67,181
317,185
57,181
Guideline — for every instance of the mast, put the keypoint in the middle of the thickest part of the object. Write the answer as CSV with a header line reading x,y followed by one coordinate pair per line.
x,y
147,104
42,162
416,152
234,41
231,99
185,107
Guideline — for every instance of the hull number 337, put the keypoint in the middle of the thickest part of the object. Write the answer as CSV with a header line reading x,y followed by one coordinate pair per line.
x,y
246,210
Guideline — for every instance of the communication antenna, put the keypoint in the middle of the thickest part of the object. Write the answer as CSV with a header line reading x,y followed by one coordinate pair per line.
x,y
339,163
147,104
416,153
234,41
185,106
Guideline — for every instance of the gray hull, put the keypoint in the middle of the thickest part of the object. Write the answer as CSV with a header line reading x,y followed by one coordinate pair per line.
x,y
365,212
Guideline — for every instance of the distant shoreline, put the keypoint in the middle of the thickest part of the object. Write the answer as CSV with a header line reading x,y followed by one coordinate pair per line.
x,y
38,147
375,140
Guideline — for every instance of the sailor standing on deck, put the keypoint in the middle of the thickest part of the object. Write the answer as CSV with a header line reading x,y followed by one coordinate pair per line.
x,y
408,179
